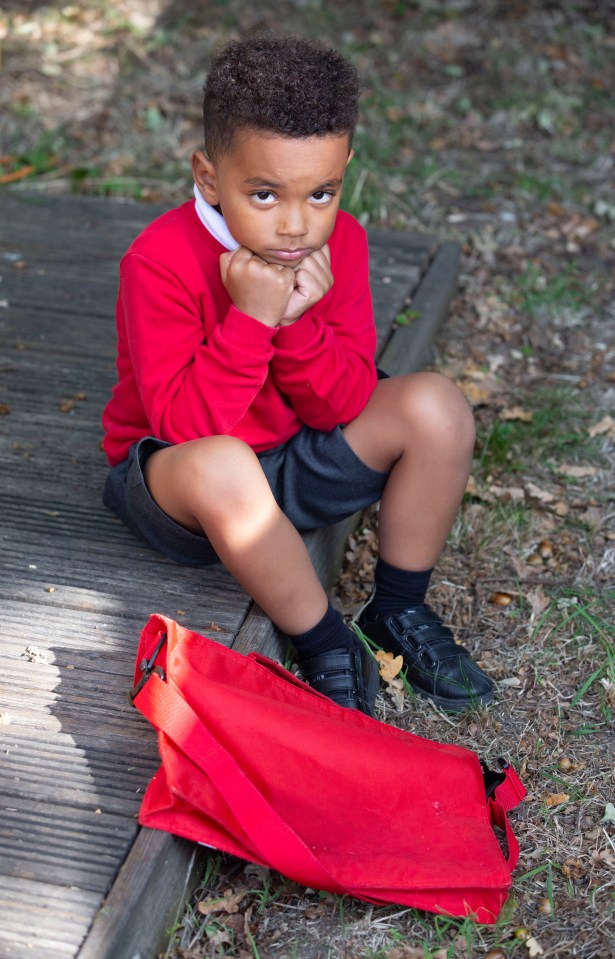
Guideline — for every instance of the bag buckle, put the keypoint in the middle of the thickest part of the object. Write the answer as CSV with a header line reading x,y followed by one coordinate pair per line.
x,y
493,779
147,668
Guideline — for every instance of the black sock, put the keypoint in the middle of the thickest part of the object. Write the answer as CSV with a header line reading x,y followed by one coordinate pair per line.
x,y
330,633
398,589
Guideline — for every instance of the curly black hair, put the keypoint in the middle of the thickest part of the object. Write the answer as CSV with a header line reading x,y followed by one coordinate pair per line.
x,y
285,85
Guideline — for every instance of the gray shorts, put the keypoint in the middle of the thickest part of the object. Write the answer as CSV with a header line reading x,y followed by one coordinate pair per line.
x,y
316,479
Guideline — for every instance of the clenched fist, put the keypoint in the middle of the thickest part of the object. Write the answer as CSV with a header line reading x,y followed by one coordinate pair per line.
x,y
272,293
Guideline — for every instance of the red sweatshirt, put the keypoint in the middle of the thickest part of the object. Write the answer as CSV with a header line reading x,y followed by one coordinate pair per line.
x,y
191,365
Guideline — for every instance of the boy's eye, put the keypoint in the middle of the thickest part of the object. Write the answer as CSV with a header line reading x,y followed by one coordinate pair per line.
x,y
322,196
263,196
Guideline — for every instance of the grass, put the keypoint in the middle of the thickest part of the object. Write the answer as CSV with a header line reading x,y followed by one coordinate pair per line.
x,y
583,617
558,428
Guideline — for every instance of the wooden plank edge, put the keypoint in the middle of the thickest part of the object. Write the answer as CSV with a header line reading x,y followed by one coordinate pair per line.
x,y
408,348
147,898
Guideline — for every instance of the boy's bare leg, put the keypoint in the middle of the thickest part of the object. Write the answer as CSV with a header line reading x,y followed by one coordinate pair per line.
x,y
420,428
216,486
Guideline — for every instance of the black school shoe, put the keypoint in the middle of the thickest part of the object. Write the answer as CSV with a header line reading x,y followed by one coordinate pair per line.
x,y
438,667
347,676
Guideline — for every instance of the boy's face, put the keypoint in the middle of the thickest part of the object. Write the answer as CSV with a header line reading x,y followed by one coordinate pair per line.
x,y
279,195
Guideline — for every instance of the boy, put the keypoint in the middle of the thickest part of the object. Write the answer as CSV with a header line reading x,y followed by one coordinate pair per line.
x,y
248,406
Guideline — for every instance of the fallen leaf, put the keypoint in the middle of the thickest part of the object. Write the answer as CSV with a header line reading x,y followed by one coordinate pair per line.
x,y
15,175
316,911
4,409
556,799
573,869
609,813
605,425
580,226
508,494
538,600
524,570
474,394
229,903
542,495
389,666
471,487
577,471
533,946
602,857
609,689
65,406
219,937
516,413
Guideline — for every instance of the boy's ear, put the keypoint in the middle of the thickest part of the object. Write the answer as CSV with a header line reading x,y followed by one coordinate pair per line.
x,y
350,156
204,173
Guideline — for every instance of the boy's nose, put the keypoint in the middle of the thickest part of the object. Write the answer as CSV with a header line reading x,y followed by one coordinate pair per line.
x,y
293,222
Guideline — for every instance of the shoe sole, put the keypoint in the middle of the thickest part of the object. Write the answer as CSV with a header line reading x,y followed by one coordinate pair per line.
x,y
455,705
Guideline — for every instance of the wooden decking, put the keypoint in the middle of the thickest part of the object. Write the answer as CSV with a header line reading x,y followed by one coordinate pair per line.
x,y
77,877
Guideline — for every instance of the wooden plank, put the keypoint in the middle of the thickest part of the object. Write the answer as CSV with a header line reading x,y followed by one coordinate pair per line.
x,y
409,346
77,586
41,920
146,899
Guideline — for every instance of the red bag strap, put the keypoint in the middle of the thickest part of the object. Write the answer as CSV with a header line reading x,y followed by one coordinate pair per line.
x,y
510,792
277,843
499,818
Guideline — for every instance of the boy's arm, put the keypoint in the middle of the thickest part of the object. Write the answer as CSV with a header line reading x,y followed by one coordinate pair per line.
x,y
191,384
324,362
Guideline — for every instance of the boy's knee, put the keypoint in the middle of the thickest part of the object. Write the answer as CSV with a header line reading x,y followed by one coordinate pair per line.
x,y
442,409
224,468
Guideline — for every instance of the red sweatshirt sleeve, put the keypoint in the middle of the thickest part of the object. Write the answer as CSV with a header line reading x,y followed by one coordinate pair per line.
x,y
191,381
324,362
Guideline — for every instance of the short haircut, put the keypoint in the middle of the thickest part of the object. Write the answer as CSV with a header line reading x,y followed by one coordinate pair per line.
x,y
285,85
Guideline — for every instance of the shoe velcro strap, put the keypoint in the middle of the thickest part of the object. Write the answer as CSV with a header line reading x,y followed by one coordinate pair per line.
x,y
440,651
422,628
328,684
324,663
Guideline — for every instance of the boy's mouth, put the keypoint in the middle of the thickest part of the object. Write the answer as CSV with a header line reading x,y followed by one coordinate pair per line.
x,y
289,256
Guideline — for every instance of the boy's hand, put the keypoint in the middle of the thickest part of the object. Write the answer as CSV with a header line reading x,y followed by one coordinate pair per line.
x,y
313,278
262,290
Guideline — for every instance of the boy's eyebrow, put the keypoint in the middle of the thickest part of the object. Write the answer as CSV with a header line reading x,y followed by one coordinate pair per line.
x,y
256,181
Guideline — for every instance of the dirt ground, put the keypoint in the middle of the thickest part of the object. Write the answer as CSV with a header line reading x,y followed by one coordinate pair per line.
x,y
493,124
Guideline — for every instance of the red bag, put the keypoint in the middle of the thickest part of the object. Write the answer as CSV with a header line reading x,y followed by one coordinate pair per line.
x,y
258,764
